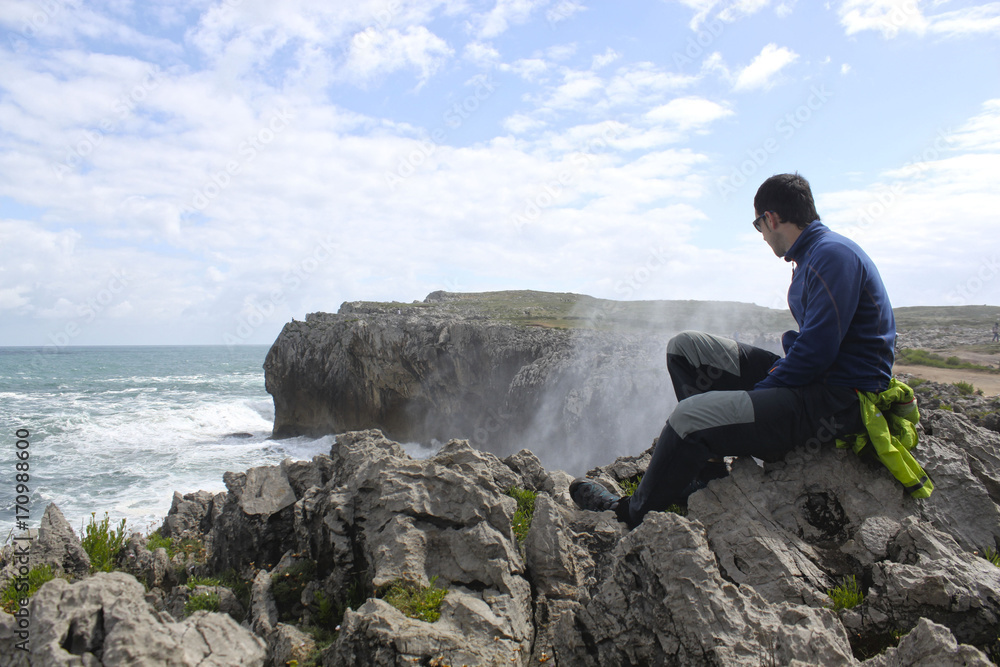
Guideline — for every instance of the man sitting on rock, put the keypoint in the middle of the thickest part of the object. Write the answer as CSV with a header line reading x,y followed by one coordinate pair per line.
x,y
736,399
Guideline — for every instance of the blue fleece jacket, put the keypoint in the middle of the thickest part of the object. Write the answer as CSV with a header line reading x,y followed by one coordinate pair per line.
x,y
846,330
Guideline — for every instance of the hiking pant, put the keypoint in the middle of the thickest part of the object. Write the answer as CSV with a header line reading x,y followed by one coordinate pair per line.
x,y
719,413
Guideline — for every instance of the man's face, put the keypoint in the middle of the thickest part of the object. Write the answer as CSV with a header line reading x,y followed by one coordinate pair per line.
x,y
768,221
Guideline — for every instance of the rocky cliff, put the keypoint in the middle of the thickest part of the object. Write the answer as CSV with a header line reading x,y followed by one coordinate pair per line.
x,y
311,561
577,380
742,579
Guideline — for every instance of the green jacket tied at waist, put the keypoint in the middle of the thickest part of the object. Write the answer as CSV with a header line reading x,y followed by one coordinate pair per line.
x,y
891,419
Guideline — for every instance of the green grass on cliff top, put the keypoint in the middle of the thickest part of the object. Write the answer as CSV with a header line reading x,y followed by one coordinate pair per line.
x,y
564,310
577,311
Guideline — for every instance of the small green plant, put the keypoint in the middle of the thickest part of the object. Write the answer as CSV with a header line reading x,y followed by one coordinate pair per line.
x,y
202,602
945,406
193,549
194,581
915,382
847,594
238,585
990,554
10,600
287,587
677,509
156,541
965,388
103,543
420,602
631,484
524,512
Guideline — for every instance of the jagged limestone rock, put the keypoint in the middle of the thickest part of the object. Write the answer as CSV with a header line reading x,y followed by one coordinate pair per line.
x,y
57,545
104,620
664,601
930,645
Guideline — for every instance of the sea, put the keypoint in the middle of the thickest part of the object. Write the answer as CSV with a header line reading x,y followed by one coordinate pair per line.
x,y
115,431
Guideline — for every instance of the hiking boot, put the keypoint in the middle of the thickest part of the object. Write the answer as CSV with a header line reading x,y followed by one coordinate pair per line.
x,y
589,495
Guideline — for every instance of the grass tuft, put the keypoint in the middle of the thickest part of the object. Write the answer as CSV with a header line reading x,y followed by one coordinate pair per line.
x,y
156,541
202,602
102,542
630,485
990,554
525,511
287,587
847,594
420,602
10,599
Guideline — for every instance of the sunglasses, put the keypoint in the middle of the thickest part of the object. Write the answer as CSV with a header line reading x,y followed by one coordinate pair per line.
x,y
756,223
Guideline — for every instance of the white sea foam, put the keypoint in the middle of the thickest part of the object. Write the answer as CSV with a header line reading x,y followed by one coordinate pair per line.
x,y
122,443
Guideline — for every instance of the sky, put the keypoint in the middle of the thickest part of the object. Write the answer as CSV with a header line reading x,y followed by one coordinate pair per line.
x,y
204,171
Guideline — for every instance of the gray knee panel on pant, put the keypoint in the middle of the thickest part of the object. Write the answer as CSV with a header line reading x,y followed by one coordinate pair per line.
x,y
702,349
711,410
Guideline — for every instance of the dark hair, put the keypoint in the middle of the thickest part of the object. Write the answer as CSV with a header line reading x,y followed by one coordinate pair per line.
x,y
789,196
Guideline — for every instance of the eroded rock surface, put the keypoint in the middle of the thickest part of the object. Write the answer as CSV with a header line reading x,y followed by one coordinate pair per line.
x,y
105,620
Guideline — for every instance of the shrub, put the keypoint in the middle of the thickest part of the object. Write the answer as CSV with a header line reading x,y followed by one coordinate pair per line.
x,y
965,388
847,594
420,602
202,602
525,511
102,543
11,598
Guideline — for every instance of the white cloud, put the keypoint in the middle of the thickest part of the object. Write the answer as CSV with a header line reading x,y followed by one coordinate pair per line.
x,y
483,55
730,11
563,11
845,69
605,59
969,21
890,17
506,13
377,53
982,132
761,71
521,123
688,112
529,69
906,219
